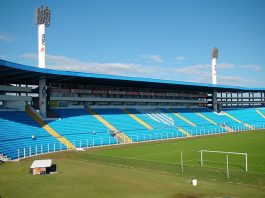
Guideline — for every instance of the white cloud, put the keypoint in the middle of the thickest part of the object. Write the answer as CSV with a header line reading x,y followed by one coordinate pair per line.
x,y
180,59
235,80
194,73
153,58
2,56
4,36
70,64
31,56
225,66
253,67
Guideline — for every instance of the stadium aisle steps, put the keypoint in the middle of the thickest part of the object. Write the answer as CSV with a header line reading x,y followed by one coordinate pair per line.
x,y
260,113
227,128
81,128
211,121
184,131
204,117
235,119
45,126
181,117
120,136
138,119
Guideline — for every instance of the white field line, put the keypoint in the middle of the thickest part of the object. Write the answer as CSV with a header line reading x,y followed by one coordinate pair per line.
x,y
132,158
211,169
158,154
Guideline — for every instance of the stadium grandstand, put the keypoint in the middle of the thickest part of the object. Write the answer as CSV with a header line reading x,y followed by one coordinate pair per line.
x,y
73,110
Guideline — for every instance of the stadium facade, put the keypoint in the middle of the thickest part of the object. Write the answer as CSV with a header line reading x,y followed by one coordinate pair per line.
x,y
20,84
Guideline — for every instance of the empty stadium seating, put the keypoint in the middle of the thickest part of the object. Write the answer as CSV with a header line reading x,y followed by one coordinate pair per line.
x,y
133,129
83,129
199,122
16,133
221,118
249,116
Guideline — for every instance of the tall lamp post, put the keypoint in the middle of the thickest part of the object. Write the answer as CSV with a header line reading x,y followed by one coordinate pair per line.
x,y
43,18
214,54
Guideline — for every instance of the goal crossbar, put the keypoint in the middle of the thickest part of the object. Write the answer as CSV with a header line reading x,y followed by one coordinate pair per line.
x,y
224,152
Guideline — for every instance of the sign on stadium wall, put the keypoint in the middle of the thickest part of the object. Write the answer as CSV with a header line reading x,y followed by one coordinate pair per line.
x,y
147,94
99,91
132,93
117,92
129,93
59,90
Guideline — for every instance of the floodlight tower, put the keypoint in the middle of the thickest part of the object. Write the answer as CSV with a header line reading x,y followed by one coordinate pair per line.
x,y
214,54
43,17
214,61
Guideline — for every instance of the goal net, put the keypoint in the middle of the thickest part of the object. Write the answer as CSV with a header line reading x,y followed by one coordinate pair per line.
x,y
205,157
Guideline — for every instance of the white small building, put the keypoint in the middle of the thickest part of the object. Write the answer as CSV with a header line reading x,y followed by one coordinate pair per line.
x,y
39,167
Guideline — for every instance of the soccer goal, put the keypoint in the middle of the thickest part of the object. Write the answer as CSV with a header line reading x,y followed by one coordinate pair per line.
x,y
227,154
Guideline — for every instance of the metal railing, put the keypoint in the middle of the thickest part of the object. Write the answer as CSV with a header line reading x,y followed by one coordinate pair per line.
x,y
86,143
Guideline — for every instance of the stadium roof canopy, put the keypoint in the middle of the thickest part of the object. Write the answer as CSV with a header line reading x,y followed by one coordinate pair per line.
x,y
14,73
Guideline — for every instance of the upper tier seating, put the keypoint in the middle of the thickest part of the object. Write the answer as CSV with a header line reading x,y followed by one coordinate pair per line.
x,y
16,131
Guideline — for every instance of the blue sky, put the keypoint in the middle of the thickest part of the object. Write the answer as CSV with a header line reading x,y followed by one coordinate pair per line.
x,y
164,39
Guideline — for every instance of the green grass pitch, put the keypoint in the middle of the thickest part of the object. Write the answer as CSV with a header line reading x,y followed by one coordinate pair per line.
x,y
149,169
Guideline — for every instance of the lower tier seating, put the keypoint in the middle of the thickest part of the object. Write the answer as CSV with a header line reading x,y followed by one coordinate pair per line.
x,y
19,131
21,136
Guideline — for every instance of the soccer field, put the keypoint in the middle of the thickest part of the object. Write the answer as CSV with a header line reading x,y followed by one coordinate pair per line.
x,y
165,156
147,170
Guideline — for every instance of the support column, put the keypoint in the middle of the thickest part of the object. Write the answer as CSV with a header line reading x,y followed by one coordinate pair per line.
x,y
264,99
226,99
42,97
242,100
249,99
253,100
214,100
237,99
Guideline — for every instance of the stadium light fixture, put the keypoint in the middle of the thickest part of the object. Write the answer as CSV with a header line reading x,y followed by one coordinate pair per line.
x,y
43,16
214,53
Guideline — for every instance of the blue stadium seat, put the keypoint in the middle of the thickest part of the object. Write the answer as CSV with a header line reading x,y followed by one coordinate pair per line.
x,y
84,130
81,128
16,131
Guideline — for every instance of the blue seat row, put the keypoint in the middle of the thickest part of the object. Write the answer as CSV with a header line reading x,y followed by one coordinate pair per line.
x,y
17,130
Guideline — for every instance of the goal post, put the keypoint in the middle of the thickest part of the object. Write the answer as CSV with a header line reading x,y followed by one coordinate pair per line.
x,y
227,153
